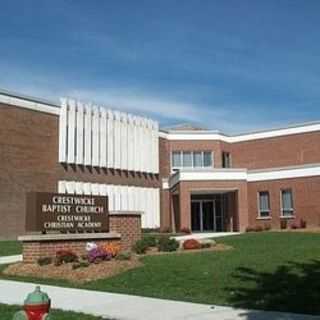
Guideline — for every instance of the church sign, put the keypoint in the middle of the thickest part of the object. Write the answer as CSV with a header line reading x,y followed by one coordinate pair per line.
x,y
66,212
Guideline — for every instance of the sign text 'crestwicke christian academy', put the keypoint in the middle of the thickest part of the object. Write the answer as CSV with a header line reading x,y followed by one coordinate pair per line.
x,y
66,212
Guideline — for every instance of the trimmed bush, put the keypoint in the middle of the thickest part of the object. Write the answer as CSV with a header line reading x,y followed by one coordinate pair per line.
x,y
166,244
151,241
303,224
267,227
44,261
141,246
283,224
125,255
191,244
82,264
65,256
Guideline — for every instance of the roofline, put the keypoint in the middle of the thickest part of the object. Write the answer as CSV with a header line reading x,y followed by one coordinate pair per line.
x,y
47,106
28,102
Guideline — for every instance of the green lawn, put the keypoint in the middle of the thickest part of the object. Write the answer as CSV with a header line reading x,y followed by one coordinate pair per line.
x,y
7,313
8,248
269,271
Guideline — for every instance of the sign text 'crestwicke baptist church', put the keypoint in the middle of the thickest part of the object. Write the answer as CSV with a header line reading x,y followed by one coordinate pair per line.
x,y
65,212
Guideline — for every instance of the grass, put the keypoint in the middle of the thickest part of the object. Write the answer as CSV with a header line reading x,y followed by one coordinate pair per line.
x,y
8,248
7,313
269,271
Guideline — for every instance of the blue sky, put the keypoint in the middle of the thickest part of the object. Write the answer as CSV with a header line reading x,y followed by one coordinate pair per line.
x,y
229,65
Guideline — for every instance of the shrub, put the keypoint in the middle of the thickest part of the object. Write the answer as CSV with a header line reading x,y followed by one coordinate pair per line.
x,y
267,227
185,230
303,224
44,261
166,230
294,226
82,264
125,255
205,245
283,224
112,248
151,241
98,254
166,244
254,229
141,246
191,244
65,256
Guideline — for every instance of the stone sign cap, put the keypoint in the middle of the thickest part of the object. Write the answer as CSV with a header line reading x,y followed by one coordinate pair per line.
x,y
66,212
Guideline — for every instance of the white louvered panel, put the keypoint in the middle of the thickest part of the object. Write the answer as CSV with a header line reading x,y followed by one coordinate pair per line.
x,y
124,198
142,205
117,141
145,146
62,187
153,148
157,207
88,134
141,144
110,139
103,138
71,130
156,147
95,189
149,154
79,187
87,188
110,195
63,131
124,141
130,143
79,133
102,189
95,137
117,198
131,205
136,199
150,210
70,187
136,144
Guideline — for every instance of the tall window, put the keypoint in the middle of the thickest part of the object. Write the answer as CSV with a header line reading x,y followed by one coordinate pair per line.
x,y
226,159
264,204
191,159
286,203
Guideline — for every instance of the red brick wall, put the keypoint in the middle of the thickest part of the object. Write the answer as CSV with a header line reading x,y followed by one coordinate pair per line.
x,y
306,200
129,226
32,251
29,162
277,152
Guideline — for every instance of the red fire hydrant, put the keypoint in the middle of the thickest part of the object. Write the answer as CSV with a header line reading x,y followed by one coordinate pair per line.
x,y
36,307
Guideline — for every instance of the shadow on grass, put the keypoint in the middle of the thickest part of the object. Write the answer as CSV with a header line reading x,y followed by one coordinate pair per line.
x,y
292,287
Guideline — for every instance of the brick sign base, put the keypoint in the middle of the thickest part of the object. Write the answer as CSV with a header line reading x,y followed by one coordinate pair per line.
x,y
125,230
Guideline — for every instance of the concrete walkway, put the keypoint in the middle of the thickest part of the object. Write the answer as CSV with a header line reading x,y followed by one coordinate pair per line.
x,y
125,307
205,235
10,259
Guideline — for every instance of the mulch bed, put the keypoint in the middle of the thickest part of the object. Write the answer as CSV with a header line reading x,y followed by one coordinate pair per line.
x,y
105,269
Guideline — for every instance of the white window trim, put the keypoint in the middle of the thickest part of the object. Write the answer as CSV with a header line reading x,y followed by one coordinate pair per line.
x,y
292,216
259,209
192,160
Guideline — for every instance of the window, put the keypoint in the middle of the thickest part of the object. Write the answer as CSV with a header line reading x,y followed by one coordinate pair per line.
x,y
191,159
264,204
176,159
226,160
187,159
197,159
207,159
286,203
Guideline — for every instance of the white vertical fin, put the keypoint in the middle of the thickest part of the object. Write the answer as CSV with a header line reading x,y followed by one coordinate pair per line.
x,y
71,130
103,138
63,131
95,137
80,143
88,134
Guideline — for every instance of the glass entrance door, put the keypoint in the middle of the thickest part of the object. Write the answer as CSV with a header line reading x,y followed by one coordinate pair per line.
x,y
208,215
203,215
